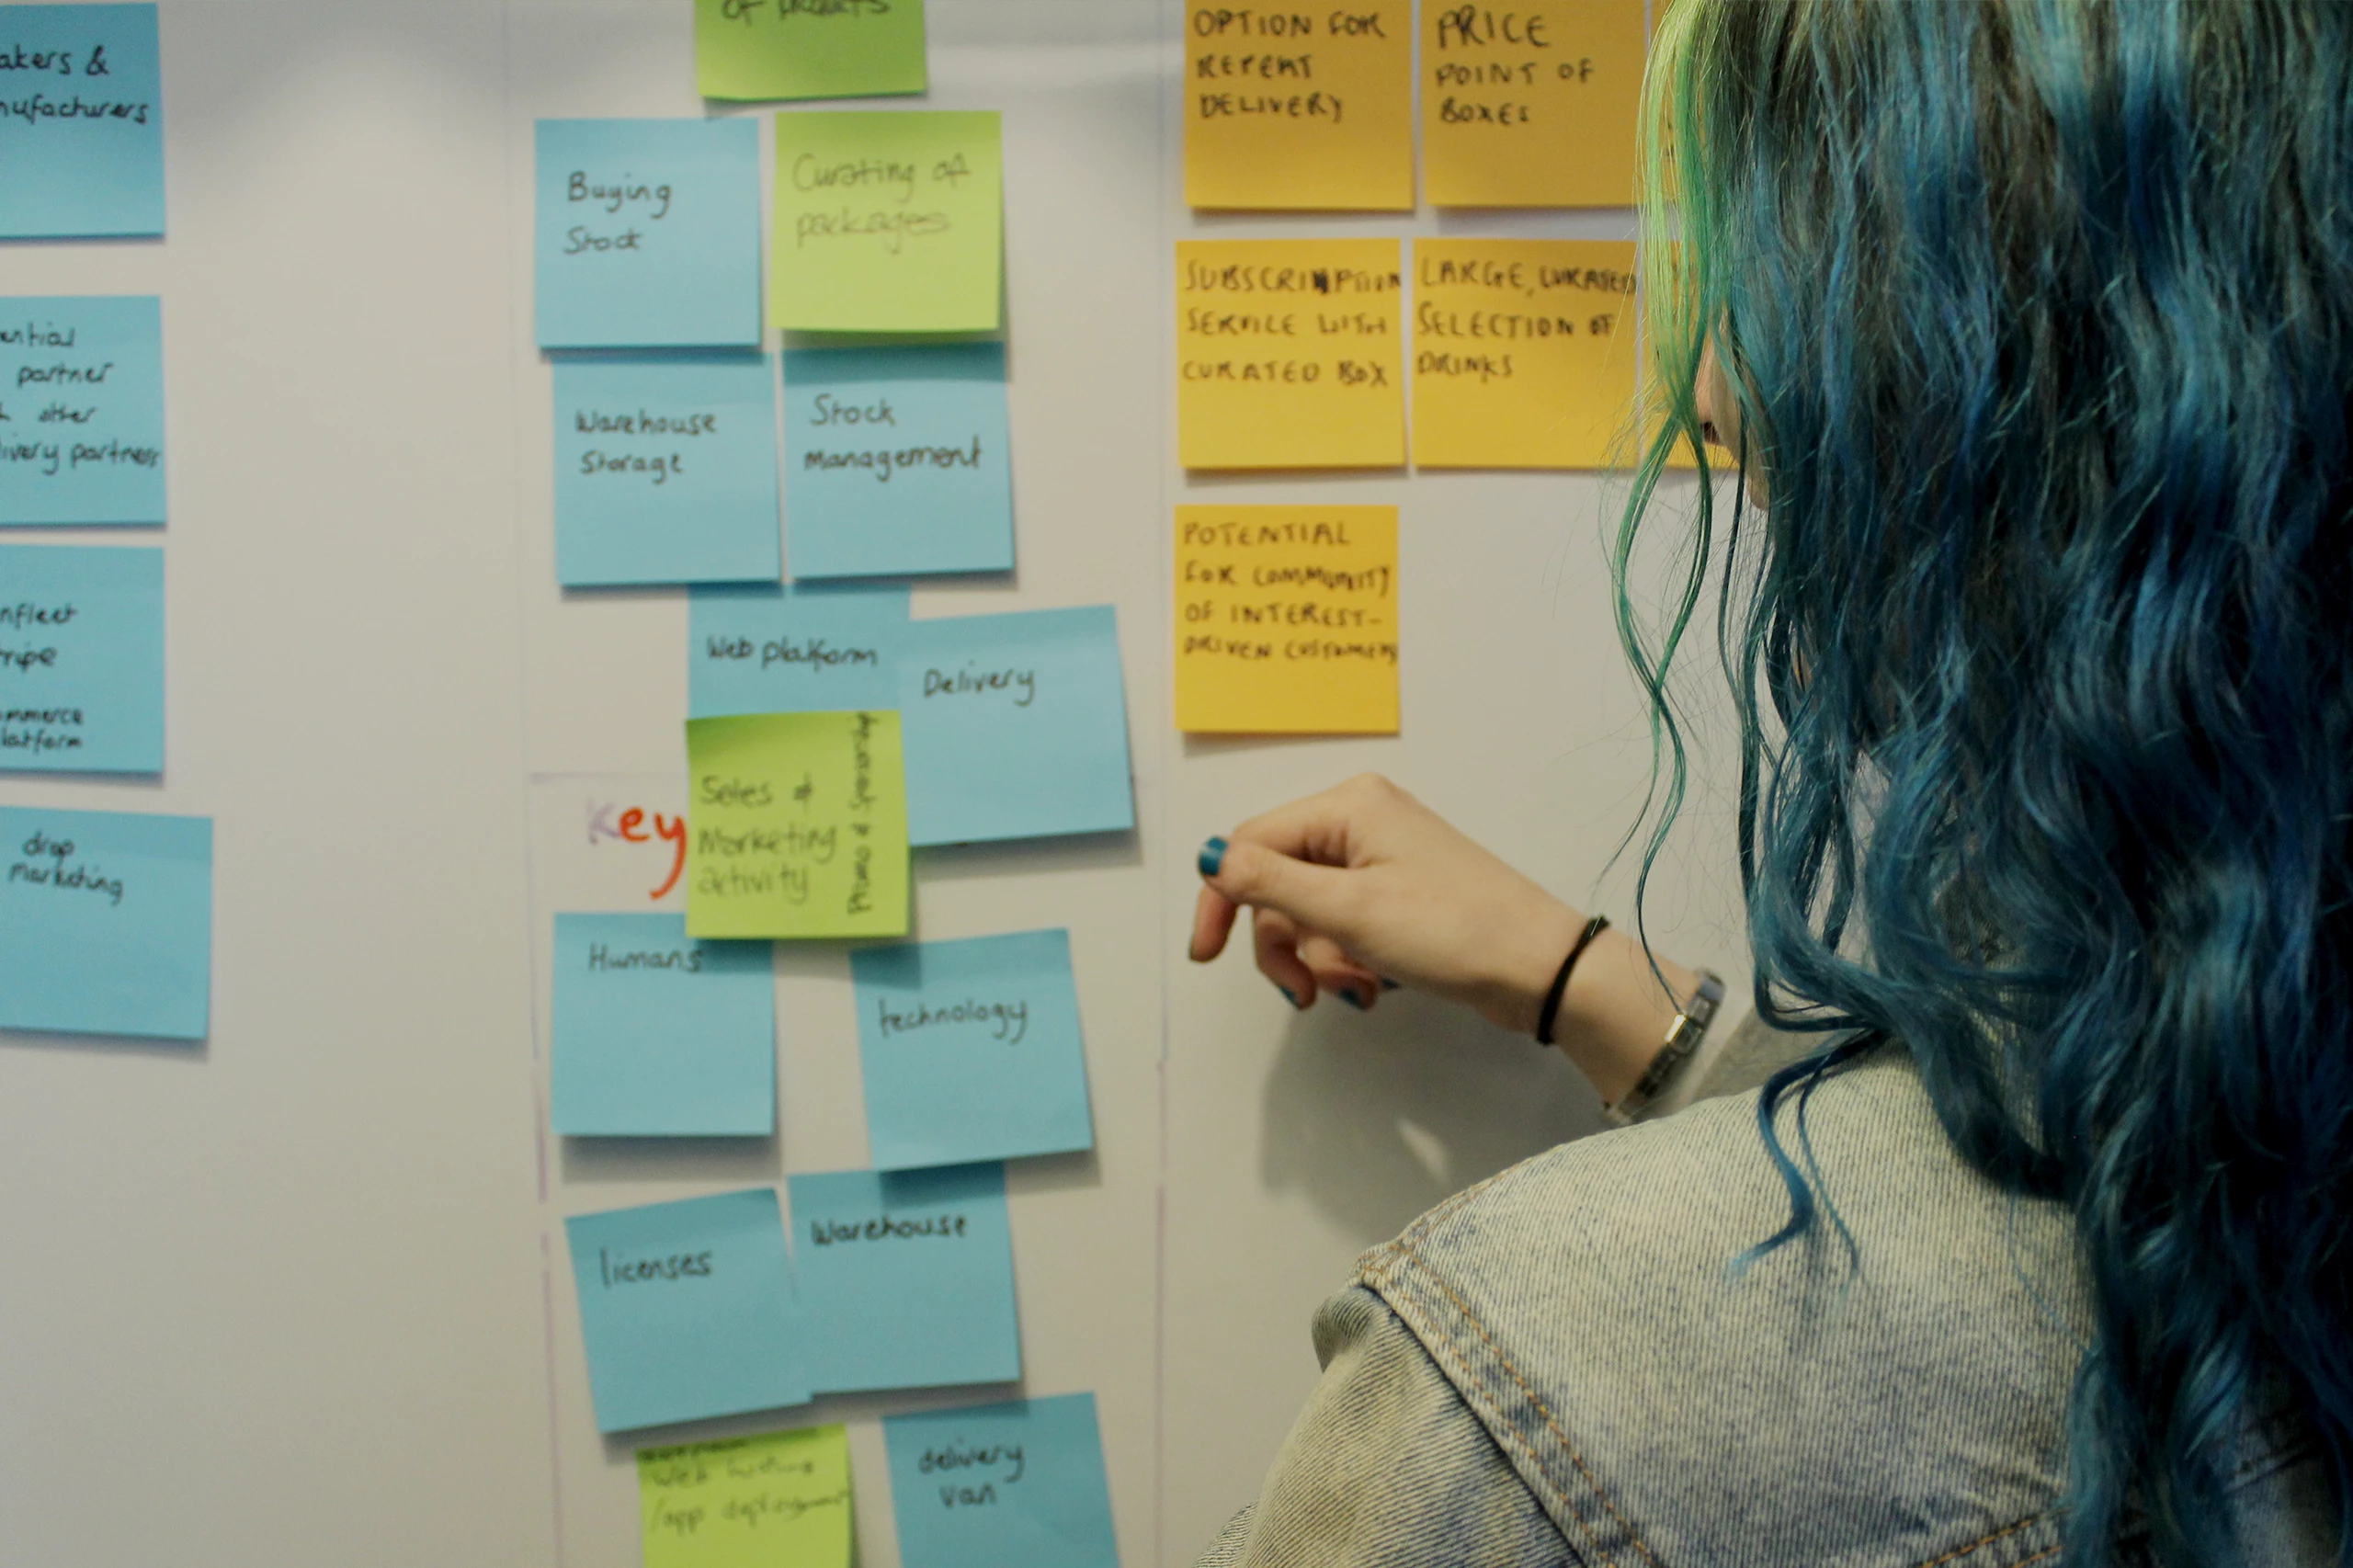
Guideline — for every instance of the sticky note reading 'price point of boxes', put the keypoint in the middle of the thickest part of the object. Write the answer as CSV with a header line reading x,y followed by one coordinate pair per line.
x,y
779,1498
1287,619
1533,104
790,49
1300,109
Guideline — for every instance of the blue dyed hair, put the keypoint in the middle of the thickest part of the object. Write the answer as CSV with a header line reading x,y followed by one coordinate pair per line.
x,y
2040,317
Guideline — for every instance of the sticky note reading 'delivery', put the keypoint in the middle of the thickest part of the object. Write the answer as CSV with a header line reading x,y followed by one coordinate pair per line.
x,y
778,1498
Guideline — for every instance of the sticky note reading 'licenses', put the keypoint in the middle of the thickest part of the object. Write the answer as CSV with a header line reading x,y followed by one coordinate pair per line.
x,y
648,233
1300,109
781,1498
81,659
687,1310
799,825
1018,1485
894,460
1287,619
656,1034
106,923
81,122
1523,352
1287,354
906,1279
790,49
971,1050
888,221
1532,106
82,393
790,648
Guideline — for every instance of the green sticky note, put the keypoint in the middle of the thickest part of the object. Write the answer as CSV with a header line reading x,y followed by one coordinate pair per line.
x,y
888,221
797,49
797,825
748,1502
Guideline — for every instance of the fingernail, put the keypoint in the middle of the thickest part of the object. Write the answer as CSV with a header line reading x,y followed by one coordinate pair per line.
x,y
1214,856
1388,985
1289,995
1353,1000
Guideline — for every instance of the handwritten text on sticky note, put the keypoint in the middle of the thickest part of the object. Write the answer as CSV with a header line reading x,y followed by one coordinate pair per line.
x,y
81,122
1017,1485
106,922
1532,105
1300,109
789,648
1287,619
793,49
82,393
81,659
780,1497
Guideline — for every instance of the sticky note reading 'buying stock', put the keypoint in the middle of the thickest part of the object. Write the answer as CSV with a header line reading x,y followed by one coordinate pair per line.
x,y
747,49
1287,619
778,1500
81,659
106,923
1300,109
81,122
82,393
1532,106
790,648
1018,1485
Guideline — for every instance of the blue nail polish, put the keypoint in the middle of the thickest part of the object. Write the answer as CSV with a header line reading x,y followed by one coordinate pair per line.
x,y
1289,995
1353,1000
1212,857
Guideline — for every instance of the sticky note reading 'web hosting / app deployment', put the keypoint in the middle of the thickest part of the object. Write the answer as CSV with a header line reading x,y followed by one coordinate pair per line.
x,y
758,1502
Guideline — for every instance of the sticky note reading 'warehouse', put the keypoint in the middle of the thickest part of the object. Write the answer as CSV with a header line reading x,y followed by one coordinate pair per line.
x,y
81,659
778,1498
789,648
791,49
106,923
656,1034
1531,107
1300,109
1287,619
1017,1485
81,122
82,396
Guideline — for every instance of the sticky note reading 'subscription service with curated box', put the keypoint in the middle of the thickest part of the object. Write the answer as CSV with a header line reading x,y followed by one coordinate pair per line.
x,y
808,49
1300,109
776,1500
81,122
793,647
82,393
81,659
1014,1485
106,923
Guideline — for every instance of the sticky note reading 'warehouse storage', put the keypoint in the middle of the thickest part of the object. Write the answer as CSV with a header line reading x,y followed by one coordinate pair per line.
x,y
790,648
1287,619
1531,107
1287,354
1523,352
790,49
106,923
1300,109
778,1498
81,659
81,122
888,221
82,396
1018,1485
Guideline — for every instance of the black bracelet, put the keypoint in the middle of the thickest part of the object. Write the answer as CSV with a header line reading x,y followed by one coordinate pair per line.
x,y
1545,1020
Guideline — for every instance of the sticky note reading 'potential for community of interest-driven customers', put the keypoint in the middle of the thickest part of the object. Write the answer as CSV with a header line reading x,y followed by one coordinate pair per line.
x,y
106,923
1017,1485
81,659
81,122
82,393
770,1501
1287,619
1531,107
888,221
747,49
1297,110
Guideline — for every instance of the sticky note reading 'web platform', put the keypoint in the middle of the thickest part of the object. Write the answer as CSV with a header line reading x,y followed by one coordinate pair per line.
x,y
790,49
1300,109
1533,107
778,1500
1287,619
1018,1485
656,1034
789,648
81,122
106,923
81,659
82,393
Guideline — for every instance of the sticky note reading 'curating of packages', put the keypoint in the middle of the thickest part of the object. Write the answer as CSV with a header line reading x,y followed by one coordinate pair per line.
x,y
1018,1485
81,122
1531,107
1287,619
1300,109
106,923
82,395
797,825
81,659
790,648
1523,352
778,1500
888,221
747,49
1287,354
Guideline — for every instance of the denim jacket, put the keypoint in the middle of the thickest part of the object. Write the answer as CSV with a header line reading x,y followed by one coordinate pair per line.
x,y
1561,1366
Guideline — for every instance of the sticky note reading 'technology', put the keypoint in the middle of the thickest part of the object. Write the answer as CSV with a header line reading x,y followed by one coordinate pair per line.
x,y
656,1034
82,390
1018,1485
1287,619
779,1498
81,659
888,221
1300,109
798,825
106,923
1533,107
747,49
791,648
1287,354
81,122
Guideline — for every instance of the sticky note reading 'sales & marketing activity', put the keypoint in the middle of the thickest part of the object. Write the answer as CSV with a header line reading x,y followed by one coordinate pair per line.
x,y
747,49
1300,109
1531,105
81,122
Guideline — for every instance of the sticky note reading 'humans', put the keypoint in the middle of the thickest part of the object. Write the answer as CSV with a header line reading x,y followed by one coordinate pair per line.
x,y
648,233
1287,619
81,659
82,396
790,49
687,1310
782,1498
81,122
1018,1485
1523,352
790,648
1300,109
894,460
656,1034
971,1050
798,825
1531,107
1287,354
888,221
906,1279
106,923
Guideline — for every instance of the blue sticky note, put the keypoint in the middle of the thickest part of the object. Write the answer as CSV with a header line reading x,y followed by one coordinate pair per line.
x,y
1015,726
798,648
905,1278
971,1050
1017,1485
666,469
80,410
656,1034
81,122
894,460
648,233
106,923
81,659
687,1310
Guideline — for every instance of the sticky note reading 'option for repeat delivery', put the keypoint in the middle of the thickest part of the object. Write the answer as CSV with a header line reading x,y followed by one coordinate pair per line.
x,y
1287,354
778,1500
1531,107
1018,1485
971,1050
1016,726
905,1278
687,1310
1299,109
1523,352
888,221
81,122
749,50
106,923
648,233
82,395
790,648
798,825
895,461
81,659
1287,619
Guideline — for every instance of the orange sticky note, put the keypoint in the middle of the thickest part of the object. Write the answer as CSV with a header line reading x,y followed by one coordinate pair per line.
x,y
1533,106
1523,353
1302,109
1287,354
1287,619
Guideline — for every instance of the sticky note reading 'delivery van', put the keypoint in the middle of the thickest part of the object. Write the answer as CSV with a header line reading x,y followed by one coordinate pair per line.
x,y
1016,1485
106,923
776,1498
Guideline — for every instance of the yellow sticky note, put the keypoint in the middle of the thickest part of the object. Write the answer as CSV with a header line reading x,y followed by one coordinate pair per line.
x,y
1287,354
1287,619
887,220
797,825
1523,352
790,49
1533,106
782,1497
1300,109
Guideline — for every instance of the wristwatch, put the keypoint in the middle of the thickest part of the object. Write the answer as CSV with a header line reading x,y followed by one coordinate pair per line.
x,y
1683,1037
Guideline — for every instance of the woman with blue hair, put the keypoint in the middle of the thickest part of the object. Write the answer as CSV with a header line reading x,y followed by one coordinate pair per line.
x,y
2029,323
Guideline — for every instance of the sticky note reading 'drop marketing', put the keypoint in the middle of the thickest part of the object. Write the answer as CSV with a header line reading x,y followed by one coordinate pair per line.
x,y
106,923
82,393
1287,619
748,50
81,659
1300,109
1018,1485
81,122
775,1499
792,648
1531,107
